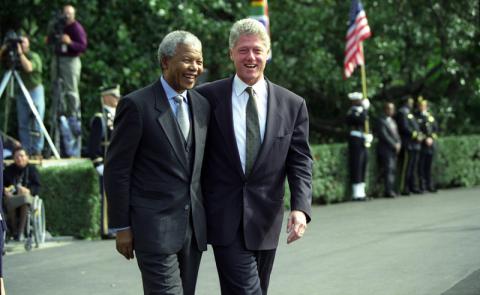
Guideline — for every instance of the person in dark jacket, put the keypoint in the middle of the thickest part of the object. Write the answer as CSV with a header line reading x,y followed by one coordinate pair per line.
x,y
388,147
21,182
100,133
428,127
411,138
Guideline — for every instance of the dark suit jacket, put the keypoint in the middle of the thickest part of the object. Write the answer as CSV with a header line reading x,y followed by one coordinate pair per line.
x,y
387,136
147,181
255,203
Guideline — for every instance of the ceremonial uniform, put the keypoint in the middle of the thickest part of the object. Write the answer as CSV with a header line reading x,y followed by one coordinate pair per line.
x,y
411,137
357,146
101,127
429,128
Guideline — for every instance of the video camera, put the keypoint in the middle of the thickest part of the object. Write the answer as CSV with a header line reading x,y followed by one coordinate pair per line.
x,y
11,42
56,26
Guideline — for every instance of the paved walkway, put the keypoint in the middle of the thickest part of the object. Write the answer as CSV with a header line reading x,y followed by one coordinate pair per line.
x,y
420,245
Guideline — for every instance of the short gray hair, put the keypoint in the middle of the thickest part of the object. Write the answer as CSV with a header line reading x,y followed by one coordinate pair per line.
x,y
248,26
170,42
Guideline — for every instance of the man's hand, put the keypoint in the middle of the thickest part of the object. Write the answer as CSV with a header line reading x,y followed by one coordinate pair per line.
x,y
296,225
23,190
66,39
429,141
125,243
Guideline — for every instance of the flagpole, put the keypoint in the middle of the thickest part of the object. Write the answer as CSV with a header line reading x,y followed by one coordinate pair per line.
x,y
364,85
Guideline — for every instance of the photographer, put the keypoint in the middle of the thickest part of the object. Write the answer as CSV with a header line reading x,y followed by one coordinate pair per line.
x,y
69,44
29,66
21,182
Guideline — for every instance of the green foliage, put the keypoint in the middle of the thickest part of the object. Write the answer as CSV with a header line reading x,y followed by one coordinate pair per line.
x,y
72,201
417,47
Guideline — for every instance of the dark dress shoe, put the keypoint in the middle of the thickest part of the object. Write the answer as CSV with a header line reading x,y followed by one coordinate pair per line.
x,y
416,191
405,193
390,195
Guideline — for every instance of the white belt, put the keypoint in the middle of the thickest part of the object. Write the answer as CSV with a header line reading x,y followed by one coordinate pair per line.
x,y
356,133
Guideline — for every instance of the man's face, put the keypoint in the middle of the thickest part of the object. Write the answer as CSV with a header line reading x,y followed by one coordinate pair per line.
x,y
25,44
182,70
110,100
249,56
21,159
69,13
389,110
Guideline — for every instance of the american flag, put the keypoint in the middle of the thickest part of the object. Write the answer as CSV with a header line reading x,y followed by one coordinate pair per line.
x,y
358,30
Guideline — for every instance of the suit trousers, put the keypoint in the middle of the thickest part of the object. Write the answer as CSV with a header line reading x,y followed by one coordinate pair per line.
x,y
425,170
171,274
242,271
357,159
388,165
409,168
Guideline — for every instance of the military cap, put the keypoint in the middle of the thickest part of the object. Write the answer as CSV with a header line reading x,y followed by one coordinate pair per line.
x,y
355,96
111,90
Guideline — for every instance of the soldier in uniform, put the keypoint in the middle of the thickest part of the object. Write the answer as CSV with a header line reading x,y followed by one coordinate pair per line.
x,y
411,137
358,141
101,129
388,147
429,128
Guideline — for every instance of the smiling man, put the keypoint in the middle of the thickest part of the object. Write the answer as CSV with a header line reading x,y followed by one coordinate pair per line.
x,y
152,171
258,136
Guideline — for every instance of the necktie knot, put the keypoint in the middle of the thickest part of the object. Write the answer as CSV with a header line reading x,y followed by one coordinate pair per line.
x,y
249,90
178,99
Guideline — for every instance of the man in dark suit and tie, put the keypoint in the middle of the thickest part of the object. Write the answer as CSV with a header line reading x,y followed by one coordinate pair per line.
x,y
258,135
388,147
152,171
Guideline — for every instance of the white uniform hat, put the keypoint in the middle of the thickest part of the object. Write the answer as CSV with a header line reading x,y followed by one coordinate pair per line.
x,y
111,90
355,96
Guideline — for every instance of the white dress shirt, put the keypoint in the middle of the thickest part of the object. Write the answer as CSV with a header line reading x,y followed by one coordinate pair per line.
x,y
239,107
171,96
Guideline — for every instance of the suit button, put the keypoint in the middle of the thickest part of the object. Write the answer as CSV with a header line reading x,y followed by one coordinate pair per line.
x,y
187,207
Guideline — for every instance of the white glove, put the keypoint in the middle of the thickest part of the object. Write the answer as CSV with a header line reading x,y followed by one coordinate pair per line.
x,y
99,169
365,103
368,138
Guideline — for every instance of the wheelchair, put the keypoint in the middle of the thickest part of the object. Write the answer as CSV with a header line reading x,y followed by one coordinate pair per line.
x,y
35,228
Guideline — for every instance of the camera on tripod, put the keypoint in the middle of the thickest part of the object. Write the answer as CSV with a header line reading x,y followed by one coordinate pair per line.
x,y
11,41
56,27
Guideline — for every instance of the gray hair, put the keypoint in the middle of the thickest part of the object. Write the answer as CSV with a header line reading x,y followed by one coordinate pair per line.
x,y
170,42
248,26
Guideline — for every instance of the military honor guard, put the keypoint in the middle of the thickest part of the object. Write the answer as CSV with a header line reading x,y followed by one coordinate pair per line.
x,y
428,127
358,141
411,137
100,132
389,145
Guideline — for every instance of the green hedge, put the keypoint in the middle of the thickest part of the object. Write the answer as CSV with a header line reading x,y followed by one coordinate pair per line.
x,y
73,205
71,197
456,163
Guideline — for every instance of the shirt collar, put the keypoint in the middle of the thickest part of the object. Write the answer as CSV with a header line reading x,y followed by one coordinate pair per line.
x,y
170,92
239,86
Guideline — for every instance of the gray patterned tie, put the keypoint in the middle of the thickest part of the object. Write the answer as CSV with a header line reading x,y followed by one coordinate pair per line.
x,y
182,116
253,141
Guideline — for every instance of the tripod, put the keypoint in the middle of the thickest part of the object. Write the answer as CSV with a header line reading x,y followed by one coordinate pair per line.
x,y
9,76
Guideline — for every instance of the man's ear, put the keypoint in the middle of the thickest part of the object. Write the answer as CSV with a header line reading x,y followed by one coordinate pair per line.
x,y
164,63
230,53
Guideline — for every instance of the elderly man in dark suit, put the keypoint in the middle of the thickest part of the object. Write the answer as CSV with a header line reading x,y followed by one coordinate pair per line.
x,y
258,135
388,147
152,171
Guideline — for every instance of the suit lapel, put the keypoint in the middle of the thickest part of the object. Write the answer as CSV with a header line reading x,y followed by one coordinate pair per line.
x,y
198,114
168,123
224,116
272,124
